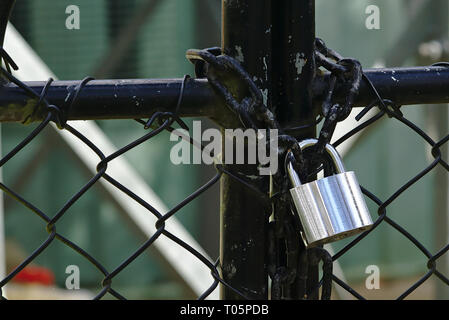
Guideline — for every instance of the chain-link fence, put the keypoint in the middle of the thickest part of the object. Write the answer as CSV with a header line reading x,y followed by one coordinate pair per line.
x,y
393,111
159,122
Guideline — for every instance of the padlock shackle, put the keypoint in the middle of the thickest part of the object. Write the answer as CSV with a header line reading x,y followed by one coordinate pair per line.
x,y
304,144
333,153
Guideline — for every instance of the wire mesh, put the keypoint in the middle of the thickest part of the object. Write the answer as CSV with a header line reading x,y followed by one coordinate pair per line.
x,y
164,121
392,111
387,108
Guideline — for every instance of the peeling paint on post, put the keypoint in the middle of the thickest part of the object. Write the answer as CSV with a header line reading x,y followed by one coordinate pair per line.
x,y
294,62
240,58
279,39
300,62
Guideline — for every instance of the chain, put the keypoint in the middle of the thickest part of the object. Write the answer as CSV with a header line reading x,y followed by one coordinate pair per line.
x,y
288,261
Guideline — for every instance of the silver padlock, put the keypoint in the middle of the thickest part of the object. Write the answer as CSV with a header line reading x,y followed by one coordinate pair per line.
x,y
331,208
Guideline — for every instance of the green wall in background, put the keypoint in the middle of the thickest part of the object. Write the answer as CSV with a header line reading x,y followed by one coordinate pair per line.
x,y
165,39
71,54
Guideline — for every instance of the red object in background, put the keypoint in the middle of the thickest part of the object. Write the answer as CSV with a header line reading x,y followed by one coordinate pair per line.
x,y
36,275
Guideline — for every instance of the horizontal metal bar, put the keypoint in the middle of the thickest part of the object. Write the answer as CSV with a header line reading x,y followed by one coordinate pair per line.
x,y
129,99
112,99
404,86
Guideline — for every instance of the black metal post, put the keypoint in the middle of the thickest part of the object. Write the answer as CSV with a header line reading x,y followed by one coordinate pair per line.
x,y
274,41
294,73
293,37
113,99
136,98
244,217
404,86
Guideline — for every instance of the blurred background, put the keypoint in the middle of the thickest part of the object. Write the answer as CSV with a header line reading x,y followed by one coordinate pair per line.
x,y
148,39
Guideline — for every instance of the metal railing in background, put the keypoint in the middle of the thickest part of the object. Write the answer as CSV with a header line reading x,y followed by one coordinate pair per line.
x,y
272,48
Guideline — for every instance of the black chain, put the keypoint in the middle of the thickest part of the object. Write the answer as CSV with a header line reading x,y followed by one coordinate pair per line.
x,y
284,246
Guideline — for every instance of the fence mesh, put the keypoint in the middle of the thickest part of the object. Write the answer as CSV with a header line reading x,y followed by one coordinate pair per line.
x,y
159,122
393,112
166,121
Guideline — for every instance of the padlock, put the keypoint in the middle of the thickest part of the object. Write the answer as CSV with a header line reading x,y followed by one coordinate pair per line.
x,y
331,208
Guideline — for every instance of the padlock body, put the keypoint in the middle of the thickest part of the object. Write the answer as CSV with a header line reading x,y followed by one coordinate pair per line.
x,y
331,209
